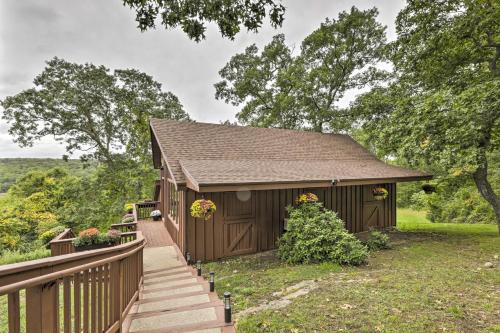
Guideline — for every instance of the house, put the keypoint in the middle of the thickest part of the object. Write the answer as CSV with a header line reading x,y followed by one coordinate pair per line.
x,y
252,174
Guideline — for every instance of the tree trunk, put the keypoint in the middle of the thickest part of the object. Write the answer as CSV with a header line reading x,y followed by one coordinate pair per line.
x,y
480,177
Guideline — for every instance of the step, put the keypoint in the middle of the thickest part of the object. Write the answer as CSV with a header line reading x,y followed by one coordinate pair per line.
x,y
168,320
167,271
173,303
176,291
208,330
169,283
177,275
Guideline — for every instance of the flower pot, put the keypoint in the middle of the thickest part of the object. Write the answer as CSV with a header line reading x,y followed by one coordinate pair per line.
x,y
379,197
156,218
92,247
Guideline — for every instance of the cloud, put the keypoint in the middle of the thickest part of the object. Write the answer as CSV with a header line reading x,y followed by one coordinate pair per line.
x,y
104,32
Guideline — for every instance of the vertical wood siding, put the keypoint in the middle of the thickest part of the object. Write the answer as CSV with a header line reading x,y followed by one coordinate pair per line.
x,y
263,221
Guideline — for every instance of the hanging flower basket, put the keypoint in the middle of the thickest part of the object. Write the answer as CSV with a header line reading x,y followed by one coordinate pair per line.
x,y
428,188
306,198
380,193
203,209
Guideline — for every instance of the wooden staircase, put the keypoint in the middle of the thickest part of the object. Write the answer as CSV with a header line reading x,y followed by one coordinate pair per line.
x,y
173,298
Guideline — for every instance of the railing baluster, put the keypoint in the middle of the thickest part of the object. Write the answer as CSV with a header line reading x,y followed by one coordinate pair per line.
x,y
76,300
99,298
14,313
86,301
93,297
67,304
106,296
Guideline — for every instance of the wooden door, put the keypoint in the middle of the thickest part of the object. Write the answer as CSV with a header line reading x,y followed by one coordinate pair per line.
x,y
240,234
373,210
372,215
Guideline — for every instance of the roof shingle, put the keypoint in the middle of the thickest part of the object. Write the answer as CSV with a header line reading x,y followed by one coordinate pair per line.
x,y
227,154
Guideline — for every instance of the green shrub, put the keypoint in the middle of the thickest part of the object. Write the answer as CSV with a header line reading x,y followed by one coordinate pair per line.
x,y
378,241
315,234
47,236
128,220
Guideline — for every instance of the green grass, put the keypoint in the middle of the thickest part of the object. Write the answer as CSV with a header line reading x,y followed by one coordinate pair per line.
x,y
12,257
415,221
432,280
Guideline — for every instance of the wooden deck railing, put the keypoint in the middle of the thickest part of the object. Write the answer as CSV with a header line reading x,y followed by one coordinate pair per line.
x,y
62,243
90,291
125,227
65,246
143,209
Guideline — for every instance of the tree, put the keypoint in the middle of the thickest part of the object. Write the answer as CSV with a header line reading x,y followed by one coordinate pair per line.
x,y
90,110
287,91
443,110
192,15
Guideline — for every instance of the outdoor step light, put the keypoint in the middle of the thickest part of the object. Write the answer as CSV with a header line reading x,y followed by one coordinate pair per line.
x,y
227,307
198,267
211,281
188,258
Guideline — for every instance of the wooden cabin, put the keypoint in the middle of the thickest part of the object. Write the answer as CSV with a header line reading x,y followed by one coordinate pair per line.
x,y
252,174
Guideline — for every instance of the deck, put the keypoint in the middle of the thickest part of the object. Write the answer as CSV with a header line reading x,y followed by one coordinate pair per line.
x,y
155,233
173,298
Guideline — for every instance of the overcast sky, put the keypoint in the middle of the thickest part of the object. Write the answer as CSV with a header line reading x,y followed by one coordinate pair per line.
x,y
105,33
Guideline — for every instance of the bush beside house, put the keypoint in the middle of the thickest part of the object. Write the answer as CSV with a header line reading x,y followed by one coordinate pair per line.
x,y
316,234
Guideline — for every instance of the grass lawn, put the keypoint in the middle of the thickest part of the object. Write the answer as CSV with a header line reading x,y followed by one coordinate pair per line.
x,y
432,280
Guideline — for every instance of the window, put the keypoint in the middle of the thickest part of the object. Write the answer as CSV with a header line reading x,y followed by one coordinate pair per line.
x,y
173,202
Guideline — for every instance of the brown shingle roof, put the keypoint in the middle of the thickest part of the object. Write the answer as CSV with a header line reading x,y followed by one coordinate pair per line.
x,y
226,154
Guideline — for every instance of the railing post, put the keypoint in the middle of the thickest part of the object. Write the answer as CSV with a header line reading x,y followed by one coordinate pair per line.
x,y
42,308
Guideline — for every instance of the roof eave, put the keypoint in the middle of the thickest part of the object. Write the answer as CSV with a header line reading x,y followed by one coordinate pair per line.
x,y
154,136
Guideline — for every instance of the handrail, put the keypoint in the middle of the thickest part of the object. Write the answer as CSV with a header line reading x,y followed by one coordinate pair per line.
x,y
61,274
142,210
90,291
128,225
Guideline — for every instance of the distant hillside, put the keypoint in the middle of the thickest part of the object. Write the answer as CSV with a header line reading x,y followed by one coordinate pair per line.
x,y
14,168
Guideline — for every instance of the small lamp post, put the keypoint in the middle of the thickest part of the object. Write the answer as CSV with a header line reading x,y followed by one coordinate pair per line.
x,y
211,281
198,267
188,258
227,307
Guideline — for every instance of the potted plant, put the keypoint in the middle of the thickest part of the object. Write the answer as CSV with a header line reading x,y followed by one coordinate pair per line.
x,y
156,215
306,198
203,209
380,193
129,208
92,239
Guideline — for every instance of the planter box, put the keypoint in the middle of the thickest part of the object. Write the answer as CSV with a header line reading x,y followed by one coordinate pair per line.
x,y
92,247
156,218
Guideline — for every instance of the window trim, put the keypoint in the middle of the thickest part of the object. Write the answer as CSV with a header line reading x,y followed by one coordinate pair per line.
x,y
172,200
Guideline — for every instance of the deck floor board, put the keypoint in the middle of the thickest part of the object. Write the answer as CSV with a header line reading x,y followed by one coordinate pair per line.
x,y
155,233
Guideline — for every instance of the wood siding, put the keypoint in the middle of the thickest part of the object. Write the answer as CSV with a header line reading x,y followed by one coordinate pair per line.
x,y
252,222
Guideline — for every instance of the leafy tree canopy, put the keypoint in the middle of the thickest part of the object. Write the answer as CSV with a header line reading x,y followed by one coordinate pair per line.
x,y
90,109
443,109
280,89
193,15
